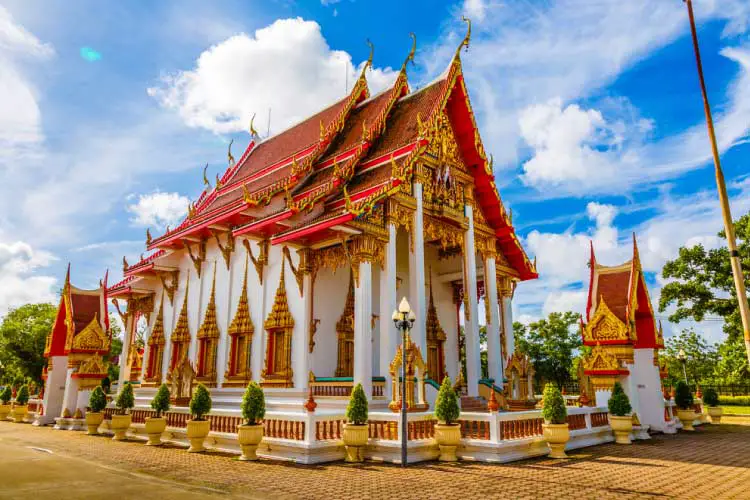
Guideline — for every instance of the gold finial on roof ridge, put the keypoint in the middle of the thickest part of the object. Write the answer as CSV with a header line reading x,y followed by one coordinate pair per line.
x,y
413,50
253,132
230,158
205,179
467,38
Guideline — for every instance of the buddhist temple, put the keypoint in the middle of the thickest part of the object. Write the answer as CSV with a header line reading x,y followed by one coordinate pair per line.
x,y
624,337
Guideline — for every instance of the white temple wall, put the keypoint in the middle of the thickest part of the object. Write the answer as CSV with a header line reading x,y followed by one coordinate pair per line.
x,y
330,296
647,387
297,306
377,318
402,267
256,293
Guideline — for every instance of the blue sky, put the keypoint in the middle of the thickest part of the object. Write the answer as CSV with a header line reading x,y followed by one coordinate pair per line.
x,y
591,109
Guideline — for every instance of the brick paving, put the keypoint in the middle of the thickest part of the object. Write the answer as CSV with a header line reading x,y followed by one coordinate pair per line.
x,y
713,462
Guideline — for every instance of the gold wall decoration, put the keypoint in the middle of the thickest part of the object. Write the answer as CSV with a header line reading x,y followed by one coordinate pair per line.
x,y
313,330
91,338
262,259
199,257
415,370
520,374
227,249
208,340
365,248
605,326
435,341
345,334
241,332
297,271
180,337
446,235
171,287
279,325
156,348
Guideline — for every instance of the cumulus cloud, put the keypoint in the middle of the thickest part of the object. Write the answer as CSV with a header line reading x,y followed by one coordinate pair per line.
x,y
18,260
158,209
475,9
287,67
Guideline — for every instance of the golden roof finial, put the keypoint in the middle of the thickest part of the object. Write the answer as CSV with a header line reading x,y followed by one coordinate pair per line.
x,y
218,181
467,38
148,237
230,158
205,179
413,50
253,132
125,264
369,59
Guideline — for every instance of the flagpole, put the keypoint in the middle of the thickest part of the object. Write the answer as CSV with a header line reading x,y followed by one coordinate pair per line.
x,y
734,255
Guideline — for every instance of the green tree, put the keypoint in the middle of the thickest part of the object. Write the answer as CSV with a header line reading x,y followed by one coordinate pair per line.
x,y
446,405
701,282
551,344
357,409
23,334
701,358
115,349
484,364
731,366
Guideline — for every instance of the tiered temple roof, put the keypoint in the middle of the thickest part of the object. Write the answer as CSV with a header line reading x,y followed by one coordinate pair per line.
x,y
342,162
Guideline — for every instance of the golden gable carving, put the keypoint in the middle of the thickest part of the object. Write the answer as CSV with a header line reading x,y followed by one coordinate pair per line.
x,y
605,326
601,359
92,337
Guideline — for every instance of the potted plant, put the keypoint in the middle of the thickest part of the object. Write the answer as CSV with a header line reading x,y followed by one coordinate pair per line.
x,y
198,425
620,418
250,434
121,419
356,428
94,417
555,425
5,406
155,426
711,399
447,430
683,398
20,408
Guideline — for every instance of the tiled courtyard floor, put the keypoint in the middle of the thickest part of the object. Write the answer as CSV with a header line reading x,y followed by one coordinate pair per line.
x,y
42,463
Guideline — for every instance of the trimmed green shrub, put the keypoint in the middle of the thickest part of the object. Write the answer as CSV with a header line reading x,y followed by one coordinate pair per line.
x,y
106,384
125,400
6,395
734,400
254,404
619,404
446,405
356,411
710,397
683,398
23,395
97,400
200,403
553,409
160,403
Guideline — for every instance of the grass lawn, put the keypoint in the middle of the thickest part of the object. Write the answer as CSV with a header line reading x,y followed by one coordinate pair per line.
x,y
736,410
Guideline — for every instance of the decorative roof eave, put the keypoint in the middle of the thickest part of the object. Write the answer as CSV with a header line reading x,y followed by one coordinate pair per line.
x,y
176,235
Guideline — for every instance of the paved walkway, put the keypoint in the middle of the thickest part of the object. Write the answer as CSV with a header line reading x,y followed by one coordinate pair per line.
x,y
42,463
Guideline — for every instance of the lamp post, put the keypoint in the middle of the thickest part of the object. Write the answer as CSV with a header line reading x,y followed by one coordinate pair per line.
x,y
683,358
403,318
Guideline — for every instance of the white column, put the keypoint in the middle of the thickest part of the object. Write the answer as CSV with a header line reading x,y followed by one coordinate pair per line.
x,y
257,299
510,341
70,396
362,330
388,303
494,349
300,341
471,325
195,310
417,282
126,341
223,347
54,390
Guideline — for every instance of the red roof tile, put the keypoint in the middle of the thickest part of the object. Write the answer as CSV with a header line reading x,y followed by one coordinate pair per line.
x,y
613,288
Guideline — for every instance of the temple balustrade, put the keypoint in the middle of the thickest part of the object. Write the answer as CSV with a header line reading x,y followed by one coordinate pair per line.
x,y
342,387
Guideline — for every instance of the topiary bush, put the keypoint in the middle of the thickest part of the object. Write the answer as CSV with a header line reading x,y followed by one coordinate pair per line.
x,y
6,394
23,395
683,398
619,403
97,400
160,403
200,403
710,397
553,409
254,404
356,411
446,405
106,384
125,400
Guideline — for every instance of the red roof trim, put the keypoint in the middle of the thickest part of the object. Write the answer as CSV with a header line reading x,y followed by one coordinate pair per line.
x,y
305,230
261,223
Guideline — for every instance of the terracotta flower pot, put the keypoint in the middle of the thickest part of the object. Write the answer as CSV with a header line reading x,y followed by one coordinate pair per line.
x,y
19,413
686,417
622,427
448,437
556,435
355,440
120,425
197,430
5,411
249,437
93,421
154,428
715,412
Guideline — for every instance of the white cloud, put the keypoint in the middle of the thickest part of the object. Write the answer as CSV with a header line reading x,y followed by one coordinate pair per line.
x,y
158,209
287,67
18,260
475,9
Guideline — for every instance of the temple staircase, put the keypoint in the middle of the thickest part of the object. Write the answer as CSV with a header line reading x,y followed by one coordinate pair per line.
x,y
471,403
